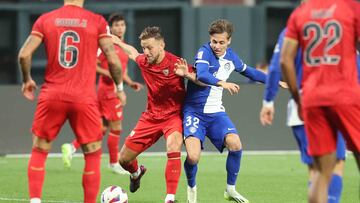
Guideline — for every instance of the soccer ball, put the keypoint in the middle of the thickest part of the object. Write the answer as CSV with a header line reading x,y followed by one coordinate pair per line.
x,y
114,194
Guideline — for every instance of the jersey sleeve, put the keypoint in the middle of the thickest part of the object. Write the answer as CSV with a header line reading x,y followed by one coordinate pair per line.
x,y
103,28
202,63
292,30
273,78
140,60
240,66
37,28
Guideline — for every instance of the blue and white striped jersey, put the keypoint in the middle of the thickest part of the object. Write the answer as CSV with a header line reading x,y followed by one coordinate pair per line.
x,y
210,69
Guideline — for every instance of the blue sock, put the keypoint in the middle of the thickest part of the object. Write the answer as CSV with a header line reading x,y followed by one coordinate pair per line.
x,y
335,189
190,171
233,166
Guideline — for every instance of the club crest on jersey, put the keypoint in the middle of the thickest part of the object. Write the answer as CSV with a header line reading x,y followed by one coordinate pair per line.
x,y
227,66
166,72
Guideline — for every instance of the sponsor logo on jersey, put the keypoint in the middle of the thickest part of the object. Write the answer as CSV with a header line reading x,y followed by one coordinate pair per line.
x,y
227,66
166,72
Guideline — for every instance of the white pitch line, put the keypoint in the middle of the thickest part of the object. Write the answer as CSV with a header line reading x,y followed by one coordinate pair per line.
x,y
147,154
26,200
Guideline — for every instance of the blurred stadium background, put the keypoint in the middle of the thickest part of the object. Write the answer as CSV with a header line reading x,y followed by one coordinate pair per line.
x,y
184,23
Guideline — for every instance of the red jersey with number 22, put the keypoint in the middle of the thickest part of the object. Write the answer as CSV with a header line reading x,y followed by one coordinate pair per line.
x,y
327,31
71,36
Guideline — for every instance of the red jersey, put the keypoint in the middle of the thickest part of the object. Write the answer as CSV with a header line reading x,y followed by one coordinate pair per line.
x,y
327,31
166,91
71,36
106,86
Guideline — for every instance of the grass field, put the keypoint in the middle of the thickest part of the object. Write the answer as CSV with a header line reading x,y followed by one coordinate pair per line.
x,y
262,179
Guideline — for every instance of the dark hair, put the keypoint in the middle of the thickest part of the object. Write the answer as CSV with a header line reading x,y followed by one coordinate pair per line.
x,y
115,17
220,26
151,32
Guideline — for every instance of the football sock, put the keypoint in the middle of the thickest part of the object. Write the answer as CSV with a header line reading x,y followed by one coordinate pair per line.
x,y
172,172
75,144
132,167
36,172
113,145
91,176
190,171
169,197
335,189
233,166
35,200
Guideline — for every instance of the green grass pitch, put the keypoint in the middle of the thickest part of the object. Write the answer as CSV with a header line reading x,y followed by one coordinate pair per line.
x,y
262,179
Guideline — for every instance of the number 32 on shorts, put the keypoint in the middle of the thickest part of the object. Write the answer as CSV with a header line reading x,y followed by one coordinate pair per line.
x,y
192,123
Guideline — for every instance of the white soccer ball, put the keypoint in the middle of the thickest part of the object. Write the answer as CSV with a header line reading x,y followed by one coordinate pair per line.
x,y
114,194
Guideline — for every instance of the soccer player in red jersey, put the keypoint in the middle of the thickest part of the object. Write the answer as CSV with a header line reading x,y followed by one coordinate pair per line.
x,y
71,36
110,107
327,32
162,116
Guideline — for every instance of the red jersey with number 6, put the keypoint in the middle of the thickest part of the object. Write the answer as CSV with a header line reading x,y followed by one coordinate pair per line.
x,y
71,36
327,31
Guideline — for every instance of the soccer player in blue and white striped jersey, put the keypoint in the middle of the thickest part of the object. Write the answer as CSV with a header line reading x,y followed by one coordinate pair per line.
x,y
204,114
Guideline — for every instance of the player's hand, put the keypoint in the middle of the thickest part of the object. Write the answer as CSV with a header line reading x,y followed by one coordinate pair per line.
x,y
116,39
28,89
267,115
283,85
181,68
136,86
231,87
122,96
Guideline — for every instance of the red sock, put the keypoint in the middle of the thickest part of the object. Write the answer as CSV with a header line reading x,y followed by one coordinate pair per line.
x,y
76,144
36,172
132,167
113,145
172,172
91,176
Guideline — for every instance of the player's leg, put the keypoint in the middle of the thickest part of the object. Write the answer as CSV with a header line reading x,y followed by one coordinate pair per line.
x,y
193,150
194,125
86,123
222,133
174,142
113,141
48,119
144,135
321,135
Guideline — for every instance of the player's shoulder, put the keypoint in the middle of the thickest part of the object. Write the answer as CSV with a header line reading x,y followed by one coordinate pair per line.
x,y
170,56
204,52
231,55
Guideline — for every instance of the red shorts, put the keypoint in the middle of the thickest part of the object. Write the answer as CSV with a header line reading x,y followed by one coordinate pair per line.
x,y
323,123
84,120
147,131
111,109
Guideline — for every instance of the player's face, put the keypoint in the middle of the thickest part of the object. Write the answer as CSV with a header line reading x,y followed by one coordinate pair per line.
x,y
118,28
153,50
219,43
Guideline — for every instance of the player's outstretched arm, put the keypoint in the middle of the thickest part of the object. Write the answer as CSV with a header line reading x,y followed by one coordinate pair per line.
x,y
129,50
288,54
182,70
108,49
24,58
135,85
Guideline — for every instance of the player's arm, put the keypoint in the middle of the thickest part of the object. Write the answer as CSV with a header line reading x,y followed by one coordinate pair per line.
x,y
271,85
135,85
24,58
129,50
288,54
253,74
102,71
108,49
182,70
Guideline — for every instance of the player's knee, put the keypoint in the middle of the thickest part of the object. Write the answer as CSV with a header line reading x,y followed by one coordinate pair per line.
x,y
232,142
193,159
42,144
115,125
91,147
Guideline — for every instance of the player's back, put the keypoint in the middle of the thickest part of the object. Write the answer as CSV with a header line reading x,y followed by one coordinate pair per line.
x,y
70,35
328,32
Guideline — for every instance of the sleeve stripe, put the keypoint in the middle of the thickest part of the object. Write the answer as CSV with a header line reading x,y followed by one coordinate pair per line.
x,y
202,61
104,35
244,68
36,33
